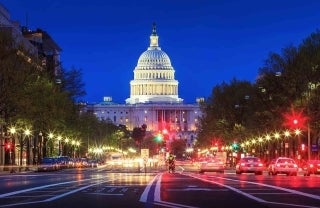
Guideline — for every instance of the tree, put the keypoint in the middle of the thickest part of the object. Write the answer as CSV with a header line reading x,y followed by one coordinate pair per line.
x,y
229,107
178,147
72,83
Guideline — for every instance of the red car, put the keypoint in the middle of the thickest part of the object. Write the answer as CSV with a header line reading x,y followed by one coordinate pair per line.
x,y
312,167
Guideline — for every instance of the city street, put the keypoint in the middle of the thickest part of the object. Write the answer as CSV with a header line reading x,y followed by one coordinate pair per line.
x,y
107,187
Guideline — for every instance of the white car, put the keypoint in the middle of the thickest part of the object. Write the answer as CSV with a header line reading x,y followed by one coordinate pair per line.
x,y
212,165
283,165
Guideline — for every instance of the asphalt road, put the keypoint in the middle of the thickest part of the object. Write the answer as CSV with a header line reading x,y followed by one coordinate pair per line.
x,y
105,187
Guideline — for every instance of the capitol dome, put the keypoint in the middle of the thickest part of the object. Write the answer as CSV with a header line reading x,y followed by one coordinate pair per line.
x,y
154,58
153,76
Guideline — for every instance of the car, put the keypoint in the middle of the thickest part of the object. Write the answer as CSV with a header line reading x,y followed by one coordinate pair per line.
x,y
312,167
212,165
283,165
93,163
64,161
250,164
48,164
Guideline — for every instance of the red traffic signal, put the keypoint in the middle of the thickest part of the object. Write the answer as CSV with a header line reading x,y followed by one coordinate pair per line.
x,y
8,146
295,120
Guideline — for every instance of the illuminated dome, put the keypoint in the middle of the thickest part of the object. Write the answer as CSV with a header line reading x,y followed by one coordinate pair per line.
x,y
154,58
153,76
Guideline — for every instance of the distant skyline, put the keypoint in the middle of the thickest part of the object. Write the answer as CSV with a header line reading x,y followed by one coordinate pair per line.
x,y
208,41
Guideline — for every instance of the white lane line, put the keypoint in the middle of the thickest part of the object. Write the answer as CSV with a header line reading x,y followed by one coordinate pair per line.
x,y
17,204
39,187
275,187
106,194
53,198
73,191
233,189
258,199
157,197
269,193
144,195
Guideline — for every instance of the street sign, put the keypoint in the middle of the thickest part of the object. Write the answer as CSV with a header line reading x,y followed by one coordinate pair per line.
x,y
144,153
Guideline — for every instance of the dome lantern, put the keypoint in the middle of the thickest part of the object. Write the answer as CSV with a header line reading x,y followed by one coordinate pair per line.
x,y
154,37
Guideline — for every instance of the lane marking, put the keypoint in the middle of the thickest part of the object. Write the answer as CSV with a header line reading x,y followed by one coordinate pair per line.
x,y
144,195
104,194
259,199
55,197
275,187
39,187
233,189
157,196
74,191
196,189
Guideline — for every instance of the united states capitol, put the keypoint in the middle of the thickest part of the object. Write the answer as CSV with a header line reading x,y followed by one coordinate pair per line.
x,y
154,99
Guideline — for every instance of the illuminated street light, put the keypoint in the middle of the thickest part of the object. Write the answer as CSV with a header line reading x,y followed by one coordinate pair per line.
x,y
287,133
27,133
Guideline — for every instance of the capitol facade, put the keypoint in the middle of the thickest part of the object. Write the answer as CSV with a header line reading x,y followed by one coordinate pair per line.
x,y
154,99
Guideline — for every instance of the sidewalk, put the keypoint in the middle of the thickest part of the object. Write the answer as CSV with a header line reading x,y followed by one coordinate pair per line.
x,y
16,169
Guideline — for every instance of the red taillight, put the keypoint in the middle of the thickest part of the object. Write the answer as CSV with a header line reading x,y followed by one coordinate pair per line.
x,y
311,165
260,165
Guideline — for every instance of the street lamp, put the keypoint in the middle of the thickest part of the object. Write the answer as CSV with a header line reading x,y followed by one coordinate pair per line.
x,y
27,133
78,147
40,146
59,138
11,146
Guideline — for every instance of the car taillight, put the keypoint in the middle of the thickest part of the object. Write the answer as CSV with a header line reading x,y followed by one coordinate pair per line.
x,y
260,164
311,165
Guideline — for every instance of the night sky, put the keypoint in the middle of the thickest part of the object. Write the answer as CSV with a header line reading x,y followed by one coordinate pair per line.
x,y
208,41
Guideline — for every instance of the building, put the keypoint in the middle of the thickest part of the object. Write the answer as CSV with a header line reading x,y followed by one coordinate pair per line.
x,y
154,99
13,27
37,44
48,51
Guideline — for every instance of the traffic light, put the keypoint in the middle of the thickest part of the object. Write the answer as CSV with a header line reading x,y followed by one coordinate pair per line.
x,y
295,120
159,138
235,146
8,146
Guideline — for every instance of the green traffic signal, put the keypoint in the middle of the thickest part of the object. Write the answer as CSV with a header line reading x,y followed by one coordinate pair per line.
x,y
235,146
159,138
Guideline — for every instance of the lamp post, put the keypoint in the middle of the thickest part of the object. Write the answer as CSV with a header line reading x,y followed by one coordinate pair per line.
x,y
27,134
12,146
309,142
59,145
40,146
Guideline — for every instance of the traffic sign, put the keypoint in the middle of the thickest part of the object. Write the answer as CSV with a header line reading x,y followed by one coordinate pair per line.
x,y
144,153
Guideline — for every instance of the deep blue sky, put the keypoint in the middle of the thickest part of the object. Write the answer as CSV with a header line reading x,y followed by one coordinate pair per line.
x,y
208,41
